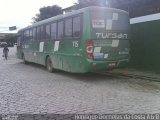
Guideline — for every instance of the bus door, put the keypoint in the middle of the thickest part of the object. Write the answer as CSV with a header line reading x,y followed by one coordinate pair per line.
x,y
19,46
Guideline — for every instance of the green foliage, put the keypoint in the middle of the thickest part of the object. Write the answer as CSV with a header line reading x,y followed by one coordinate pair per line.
x,y
10,38
47,12
86,3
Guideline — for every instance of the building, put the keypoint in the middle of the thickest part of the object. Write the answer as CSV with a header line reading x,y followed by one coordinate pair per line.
x,y
69,9
2,36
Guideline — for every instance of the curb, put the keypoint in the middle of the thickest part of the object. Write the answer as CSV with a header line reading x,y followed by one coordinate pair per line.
x,y
137,76
129,75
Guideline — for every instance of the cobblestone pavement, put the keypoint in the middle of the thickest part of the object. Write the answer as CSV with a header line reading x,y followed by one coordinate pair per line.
x,y
31,89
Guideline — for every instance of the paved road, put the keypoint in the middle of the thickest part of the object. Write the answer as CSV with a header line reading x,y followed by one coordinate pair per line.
x,y
31,89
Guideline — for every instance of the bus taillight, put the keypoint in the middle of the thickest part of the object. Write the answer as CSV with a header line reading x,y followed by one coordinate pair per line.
x,y
89,49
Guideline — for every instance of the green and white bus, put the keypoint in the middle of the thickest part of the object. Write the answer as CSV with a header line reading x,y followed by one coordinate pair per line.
x,y
85,40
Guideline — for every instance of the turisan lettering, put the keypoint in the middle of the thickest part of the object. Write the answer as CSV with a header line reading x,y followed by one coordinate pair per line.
x,y
112,35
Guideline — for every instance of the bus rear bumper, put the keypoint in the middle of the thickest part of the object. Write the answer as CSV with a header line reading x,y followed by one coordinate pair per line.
x,y
107,65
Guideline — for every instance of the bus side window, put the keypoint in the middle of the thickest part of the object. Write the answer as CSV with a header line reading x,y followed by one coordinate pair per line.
x,y
77,27
42,34
28,38
60,30
22,36
31,34
26,35
68,28
48,32
39,33
34,34
53,31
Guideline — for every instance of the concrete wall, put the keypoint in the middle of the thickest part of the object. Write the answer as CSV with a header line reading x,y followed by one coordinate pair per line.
x,y
145,45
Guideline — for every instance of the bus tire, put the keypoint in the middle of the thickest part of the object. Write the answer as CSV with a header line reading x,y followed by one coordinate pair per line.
x,y
49,64
24,60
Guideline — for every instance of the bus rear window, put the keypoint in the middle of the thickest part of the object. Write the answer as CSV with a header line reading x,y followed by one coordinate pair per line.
x,y
109,21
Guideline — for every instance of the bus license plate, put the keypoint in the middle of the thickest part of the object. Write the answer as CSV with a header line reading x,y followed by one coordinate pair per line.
x,y
113,64
98,55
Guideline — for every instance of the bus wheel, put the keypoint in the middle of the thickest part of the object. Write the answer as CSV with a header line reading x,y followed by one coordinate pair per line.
x,y
24,60
49,64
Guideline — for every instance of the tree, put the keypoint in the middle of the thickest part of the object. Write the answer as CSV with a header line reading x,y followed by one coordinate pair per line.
x,y
86,3
47,12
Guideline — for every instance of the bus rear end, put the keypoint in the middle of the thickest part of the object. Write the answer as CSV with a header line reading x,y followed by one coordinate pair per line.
x,y
108,45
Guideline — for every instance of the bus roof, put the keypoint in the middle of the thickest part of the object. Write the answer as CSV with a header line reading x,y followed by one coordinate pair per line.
x,y
107,8
58,17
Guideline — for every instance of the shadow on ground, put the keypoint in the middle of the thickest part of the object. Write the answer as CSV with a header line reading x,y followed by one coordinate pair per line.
x,y
98,78
91,76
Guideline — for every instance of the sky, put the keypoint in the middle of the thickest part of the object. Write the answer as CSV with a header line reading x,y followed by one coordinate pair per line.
x,y
20,12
